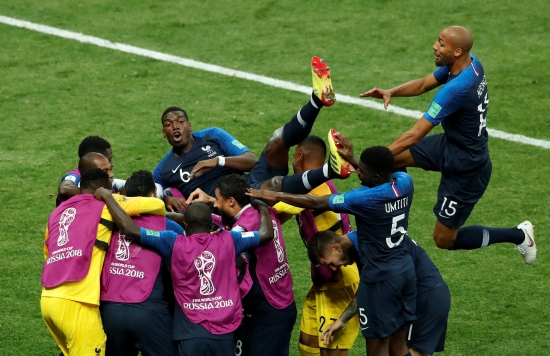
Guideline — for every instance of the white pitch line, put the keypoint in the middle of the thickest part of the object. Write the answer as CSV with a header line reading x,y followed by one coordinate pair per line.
x,y
243,75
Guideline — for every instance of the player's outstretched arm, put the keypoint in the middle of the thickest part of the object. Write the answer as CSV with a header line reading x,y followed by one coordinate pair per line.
x,y
305,201
124,222
242,163
265,231
412,88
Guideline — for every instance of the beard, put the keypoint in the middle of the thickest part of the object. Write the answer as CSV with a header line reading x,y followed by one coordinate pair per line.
x,y
227,219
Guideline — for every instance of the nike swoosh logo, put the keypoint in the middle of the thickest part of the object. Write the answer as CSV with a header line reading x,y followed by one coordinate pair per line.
x,y
531,242
365,328
443,216
175,170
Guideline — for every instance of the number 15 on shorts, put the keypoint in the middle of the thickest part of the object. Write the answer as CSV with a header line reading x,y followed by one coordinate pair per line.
x,y
448,208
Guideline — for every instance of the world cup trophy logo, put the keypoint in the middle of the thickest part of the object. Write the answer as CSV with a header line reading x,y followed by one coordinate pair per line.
x,y
123,250
65,221
277,243
205,264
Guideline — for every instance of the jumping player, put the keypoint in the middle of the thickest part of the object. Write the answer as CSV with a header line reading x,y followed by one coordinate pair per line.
x,y
461,153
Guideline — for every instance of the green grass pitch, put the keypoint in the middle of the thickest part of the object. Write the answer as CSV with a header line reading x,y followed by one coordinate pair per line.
x,y
55,91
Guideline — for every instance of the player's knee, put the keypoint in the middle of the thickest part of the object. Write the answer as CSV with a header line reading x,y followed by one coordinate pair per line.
x,y
273,184
443,241
277,134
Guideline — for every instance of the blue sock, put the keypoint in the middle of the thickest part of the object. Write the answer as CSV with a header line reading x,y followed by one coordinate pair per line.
x,y
476,236
297,129
303,183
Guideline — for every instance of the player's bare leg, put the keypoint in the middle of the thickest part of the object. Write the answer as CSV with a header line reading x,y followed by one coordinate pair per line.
x,y
444,236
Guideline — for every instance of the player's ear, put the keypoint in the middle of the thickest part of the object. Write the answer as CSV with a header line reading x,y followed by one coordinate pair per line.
x,y
458,52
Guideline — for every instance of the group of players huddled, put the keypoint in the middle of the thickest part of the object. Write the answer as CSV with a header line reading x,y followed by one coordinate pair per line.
x,y
190,259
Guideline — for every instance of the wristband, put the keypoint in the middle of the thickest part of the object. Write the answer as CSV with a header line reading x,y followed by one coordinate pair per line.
x,y
221,161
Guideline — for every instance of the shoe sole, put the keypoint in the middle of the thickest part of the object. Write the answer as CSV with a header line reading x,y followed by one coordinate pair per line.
x,y
337,163
322,84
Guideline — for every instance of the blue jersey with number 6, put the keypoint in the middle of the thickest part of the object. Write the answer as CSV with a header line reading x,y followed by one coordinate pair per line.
x,y
461,108
382,217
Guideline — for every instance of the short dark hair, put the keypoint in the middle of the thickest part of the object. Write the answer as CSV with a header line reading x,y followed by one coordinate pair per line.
x,y
140,184
198,215
378,159
95,178
313,142
318,244
93,144
234,186
172,109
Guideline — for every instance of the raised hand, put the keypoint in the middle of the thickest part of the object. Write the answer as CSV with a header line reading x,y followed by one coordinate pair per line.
x,y
378,94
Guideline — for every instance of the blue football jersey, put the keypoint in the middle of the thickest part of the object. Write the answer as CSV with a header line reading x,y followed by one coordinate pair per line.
x,y
461,108
173,171
382,218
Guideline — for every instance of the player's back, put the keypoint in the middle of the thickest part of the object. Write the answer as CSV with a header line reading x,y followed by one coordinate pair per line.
x,y
381,214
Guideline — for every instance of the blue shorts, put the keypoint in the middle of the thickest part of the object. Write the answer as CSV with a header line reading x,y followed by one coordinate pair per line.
x,y
130,329
458,192
384,307
432,312
263,171
265,335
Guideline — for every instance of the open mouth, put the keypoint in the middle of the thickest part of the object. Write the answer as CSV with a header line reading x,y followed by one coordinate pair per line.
x,y
177,137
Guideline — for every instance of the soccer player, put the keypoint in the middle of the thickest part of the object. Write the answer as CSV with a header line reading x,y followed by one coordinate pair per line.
x,y
386,297
78,233
213,153
433,300
332,290
268,304
460,153
136,297
203,274
69,185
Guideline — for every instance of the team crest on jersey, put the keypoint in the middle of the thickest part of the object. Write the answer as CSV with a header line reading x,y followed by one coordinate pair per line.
x,y
209,151
205,264
67,217
123,250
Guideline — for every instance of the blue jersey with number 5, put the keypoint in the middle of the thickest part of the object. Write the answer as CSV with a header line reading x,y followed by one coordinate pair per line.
x,y
382,217
461,108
